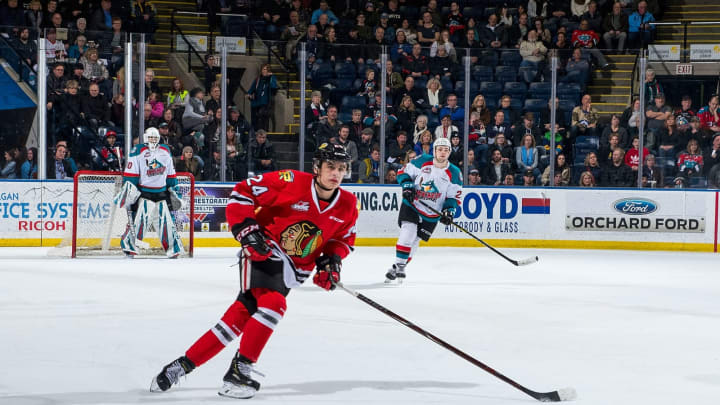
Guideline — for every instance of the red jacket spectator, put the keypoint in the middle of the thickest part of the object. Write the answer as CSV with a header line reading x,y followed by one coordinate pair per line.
x,y
710,115
586,38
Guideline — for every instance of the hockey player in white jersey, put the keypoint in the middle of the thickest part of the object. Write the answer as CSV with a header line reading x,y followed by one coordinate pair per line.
x,y
434,181
149,185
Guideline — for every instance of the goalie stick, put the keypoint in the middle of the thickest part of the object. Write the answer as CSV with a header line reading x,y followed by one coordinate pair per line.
x,y
564,394
522,262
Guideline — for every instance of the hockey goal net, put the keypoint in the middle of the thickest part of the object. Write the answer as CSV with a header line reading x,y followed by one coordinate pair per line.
x,y
98,224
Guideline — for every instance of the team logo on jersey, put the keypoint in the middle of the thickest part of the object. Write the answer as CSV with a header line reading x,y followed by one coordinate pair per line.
x,y
428,191
155,168
287,176
301,239
301,206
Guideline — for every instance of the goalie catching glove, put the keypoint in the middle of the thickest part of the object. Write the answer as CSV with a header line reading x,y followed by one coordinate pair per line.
x,y
176,201
446,218
254,243
328,271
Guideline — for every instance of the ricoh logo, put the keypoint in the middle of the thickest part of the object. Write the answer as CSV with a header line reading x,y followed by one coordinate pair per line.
x,y
635,206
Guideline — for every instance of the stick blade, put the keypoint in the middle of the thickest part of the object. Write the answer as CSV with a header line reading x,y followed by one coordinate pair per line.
x,y
564,394
529,260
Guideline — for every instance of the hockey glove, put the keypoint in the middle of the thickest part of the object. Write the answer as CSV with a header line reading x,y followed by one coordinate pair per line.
x,y
254,243
446,218
408,191
328,271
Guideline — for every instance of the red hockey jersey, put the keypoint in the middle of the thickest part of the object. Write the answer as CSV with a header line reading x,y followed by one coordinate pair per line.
x,y
286,204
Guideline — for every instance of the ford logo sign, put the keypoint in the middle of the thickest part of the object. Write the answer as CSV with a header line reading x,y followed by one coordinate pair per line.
x,y
635,206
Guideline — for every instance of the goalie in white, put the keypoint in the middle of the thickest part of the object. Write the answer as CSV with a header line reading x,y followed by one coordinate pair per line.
x,y
150,183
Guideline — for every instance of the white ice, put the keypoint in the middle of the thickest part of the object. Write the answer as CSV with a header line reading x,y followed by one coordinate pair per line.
x,y
620,327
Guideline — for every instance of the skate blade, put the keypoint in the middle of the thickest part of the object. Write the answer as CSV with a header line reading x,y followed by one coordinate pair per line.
x,y
154,387
235,391
388,281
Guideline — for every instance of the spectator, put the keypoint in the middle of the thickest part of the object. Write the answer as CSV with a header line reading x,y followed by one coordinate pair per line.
x,y
240,124
343,139
685,109
195,117
605,152
492,35
214,102
235,154
473,44
416,64
441,67
369,86
477,135
374,47
445,43
584,119
639,29
543,34
273,15
614,128
533,51
95,108
331,51
511,115
527,128
409,89
457,113
54,48
34,16
262,153
188,162
26,48
324,9
11,167
261,93
158,108
303,13
144,17
364,31
406,114
592,166
428,31
499,126
329,126
393,80
373,116
356,125
711,156
78,71
315,111
446,128
472,164
652,87
177,96
95,70
101,19
421,125
560,123
117,110
563,48
110,156
630,118
578,8
710,116
586,180
59,168
615,26
588,40
50,9
391,176
669,139
148,118
529,178
364,146
292,33
370,166
423,146
526,156
409,30
690,161
617,173
592,15
696,132
28,170
213,169
172,135
456,150
577,68
656,115
151,85
479,106
12,15
399,148
651,172
212,71
474,178
455,21
78,49
388,29
433,97
632,157
509,180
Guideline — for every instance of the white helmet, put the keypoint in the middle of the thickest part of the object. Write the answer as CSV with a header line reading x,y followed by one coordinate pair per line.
x,y
441,142
152,138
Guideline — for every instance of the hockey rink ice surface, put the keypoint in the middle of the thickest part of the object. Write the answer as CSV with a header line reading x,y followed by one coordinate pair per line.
x,y
621,327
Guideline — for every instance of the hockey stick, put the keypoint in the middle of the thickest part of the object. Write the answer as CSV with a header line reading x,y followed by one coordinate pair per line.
x,y
522,262
140,243
565,394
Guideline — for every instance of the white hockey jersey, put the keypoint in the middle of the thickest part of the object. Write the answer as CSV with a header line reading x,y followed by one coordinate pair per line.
x,y
151,171
438,188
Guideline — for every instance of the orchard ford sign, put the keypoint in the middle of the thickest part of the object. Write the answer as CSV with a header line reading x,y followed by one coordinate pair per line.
x,y
635,206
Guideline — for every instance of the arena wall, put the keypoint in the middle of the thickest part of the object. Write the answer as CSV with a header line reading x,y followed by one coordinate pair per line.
x,y
35,213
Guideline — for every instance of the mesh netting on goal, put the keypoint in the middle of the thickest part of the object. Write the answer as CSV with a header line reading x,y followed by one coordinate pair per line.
x,y
98,224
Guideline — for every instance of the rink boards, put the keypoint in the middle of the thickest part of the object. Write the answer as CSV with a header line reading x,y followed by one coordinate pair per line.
x,y
38,213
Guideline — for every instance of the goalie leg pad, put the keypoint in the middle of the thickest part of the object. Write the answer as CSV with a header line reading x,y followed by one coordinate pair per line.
x,y
127,196
169,237
143,218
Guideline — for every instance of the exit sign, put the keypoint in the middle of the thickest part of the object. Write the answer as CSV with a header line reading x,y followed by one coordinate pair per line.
x,y
683,69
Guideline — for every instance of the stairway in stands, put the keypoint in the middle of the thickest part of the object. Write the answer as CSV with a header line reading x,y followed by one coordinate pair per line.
x,y
690,10
610,90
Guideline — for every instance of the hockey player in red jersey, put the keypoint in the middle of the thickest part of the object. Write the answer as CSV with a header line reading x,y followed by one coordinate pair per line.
x,y
288,222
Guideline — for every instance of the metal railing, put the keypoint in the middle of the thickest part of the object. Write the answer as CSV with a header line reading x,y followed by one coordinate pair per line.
x,y
685,54
22,66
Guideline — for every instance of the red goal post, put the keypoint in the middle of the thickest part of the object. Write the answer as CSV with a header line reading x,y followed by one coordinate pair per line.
x,y
97,223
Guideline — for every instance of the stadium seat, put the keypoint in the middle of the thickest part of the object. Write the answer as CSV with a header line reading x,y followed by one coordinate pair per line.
x,y
322,76
489,58
482,73
516,90
351,102
515,103
535,105
346,76
511,58
491,90
472,12
569,91
527,73
540,90
505,74
565,108
588,141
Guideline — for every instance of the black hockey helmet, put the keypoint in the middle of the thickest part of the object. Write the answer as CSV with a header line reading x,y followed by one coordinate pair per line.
x,y
330,151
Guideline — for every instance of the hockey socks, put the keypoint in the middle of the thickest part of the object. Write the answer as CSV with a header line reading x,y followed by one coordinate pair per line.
x,y
225,331
402,254
257,331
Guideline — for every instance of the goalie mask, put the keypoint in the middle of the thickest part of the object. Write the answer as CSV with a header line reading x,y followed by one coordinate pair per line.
x,y
152,138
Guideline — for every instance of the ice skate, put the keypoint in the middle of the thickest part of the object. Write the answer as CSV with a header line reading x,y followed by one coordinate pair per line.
x,y
237,382
396,272
128,246
170,374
